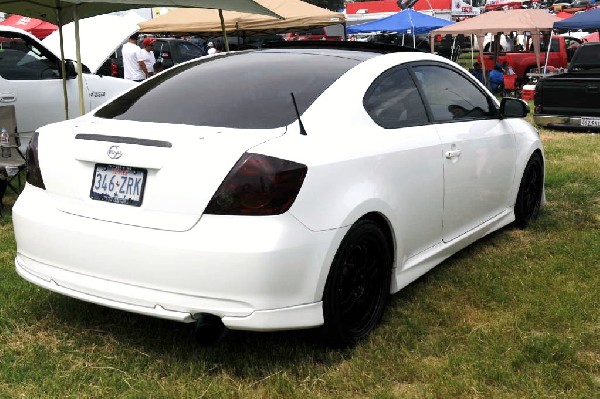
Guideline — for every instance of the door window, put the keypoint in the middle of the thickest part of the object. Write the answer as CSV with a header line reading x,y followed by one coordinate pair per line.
x,y
393,100
452,96
20,60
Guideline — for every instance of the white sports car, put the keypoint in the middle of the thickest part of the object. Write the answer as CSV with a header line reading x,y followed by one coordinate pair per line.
x,y
275,189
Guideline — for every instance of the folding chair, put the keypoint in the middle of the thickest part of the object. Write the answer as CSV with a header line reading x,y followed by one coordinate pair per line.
x,y
12,160
510,86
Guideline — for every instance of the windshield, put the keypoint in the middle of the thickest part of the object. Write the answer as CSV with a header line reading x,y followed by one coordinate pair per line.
x,y
248,90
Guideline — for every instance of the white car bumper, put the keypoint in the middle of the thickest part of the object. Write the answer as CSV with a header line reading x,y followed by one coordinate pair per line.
x,y
256,273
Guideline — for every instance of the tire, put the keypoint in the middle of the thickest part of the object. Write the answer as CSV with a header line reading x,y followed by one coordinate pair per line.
x,y
358,285
529,197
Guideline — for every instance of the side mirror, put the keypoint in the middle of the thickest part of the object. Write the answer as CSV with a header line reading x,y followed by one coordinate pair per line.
x,y
70,68
513,108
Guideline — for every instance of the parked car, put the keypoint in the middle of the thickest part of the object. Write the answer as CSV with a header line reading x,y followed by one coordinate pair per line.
x,y
245,204
31,81
570,100
171,51
332,32
524,62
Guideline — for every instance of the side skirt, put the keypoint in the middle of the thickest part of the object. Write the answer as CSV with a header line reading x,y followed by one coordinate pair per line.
x,y
420,264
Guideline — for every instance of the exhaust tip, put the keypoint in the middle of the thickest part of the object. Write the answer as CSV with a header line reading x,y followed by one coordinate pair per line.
x,y
208,329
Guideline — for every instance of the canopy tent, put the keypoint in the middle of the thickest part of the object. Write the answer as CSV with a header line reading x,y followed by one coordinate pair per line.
x,y
63,11
564,15
592,37
520,20
36,27
406,21
585,20
296,13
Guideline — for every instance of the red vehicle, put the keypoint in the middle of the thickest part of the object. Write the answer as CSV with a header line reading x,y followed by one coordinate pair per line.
x,y
333,32
523,62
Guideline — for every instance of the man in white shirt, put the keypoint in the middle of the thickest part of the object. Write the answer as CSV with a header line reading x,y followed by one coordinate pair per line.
x,y
148,52
134,67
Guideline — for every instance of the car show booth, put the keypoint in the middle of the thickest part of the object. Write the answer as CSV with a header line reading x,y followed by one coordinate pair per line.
x,y
522,21
585,20
296,14
36,27
407,22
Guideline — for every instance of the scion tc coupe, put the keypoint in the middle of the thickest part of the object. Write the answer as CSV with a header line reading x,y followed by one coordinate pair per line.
x,y
281,188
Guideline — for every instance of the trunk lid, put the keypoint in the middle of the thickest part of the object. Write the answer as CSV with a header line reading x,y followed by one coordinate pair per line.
x,y
184,167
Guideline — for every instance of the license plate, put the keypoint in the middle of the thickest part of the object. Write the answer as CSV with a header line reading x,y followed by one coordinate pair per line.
x,y
593,122
118,184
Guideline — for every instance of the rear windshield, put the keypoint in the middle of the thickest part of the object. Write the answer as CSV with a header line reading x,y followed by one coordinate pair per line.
x,y
244,90
586,57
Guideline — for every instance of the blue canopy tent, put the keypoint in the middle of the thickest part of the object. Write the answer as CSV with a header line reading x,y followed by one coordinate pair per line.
x,y
406,21
585,20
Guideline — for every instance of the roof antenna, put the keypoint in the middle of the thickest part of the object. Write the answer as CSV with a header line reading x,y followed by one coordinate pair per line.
x,y
302,130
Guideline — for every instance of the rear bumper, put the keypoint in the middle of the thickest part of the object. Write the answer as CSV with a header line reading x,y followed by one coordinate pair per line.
x,y
256,273
292,317
563,122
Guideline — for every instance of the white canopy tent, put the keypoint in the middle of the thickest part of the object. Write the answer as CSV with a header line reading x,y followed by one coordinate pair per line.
x,y
534,22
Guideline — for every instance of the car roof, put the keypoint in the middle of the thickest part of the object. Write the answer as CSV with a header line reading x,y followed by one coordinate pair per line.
x,y
359,51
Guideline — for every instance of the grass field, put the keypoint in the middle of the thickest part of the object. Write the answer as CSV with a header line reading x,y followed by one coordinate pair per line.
x,y
516,315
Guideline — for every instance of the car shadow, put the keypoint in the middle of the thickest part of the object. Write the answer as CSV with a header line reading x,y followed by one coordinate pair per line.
x,y
158,338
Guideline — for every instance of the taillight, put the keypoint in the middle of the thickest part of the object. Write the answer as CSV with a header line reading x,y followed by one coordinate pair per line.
x,y
34,174
114,69
258,185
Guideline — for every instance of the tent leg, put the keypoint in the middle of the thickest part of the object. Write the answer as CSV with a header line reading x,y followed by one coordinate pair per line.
x,y
549,44
78,55
63,68
223,30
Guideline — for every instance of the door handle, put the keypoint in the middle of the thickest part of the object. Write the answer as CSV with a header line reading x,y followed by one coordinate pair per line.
x,y
452,154
7,98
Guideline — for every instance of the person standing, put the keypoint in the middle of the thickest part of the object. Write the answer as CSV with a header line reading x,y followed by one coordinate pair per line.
x,y
211,48
149,58
134,67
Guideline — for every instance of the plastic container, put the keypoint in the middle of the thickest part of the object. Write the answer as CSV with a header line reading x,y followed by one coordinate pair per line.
x,y
527,92
4,143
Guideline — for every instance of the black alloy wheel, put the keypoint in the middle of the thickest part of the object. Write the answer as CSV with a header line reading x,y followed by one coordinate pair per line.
x,y
358,285
529,198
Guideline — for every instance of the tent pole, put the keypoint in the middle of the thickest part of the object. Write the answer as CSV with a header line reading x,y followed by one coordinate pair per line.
x,y
63,68
472,49
548,50
223,30
78,55
480,40
432,42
